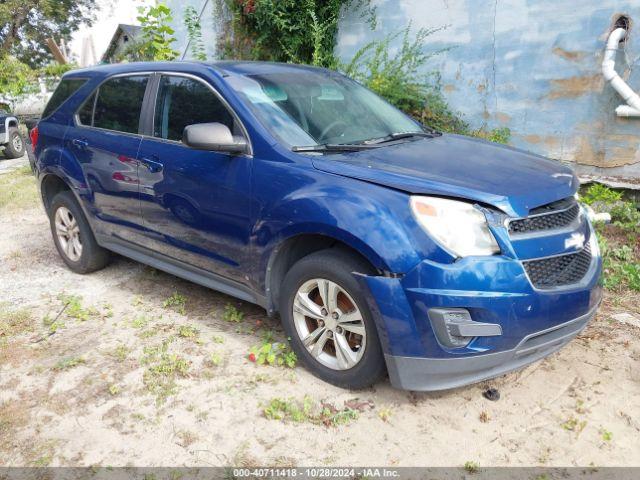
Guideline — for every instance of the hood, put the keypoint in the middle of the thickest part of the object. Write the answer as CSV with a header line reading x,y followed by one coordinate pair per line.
x,y
456,166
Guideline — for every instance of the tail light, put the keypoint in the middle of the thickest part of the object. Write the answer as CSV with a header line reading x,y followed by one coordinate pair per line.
x,y
33,134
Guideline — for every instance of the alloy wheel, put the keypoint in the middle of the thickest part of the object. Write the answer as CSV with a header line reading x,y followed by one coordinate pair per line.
x,y
17,143
68,233
329,323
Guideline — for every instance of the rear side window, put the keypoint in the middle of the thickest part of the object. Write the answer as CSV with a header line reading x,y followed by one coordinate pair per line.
x,y
183,101
119,104
65,89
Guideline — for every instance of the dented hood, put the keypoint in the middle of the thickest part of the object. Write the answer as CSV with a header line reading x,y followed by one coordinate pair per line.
x,y
456,166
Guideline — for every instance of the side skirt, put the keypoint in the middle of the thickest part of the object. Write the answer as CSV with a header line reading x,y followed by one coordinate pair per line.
x,y
181,269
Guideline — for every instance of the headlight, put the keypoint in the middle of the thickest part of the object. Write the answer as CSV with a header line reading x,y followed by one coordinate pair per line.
x,y
458,226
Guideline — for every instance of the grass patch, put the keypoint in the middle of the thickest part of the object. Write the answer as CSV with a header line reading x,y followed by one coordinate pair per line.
x,y
215,359
176,302
232,314
308,411
14,322
163,369
573,425
120,353
73,308
69,363
18,190
188,331
273,353
140,322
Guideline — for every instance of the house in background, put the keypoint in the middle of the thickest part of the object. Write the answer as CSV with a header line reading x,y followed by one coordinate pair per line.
x,y
122,36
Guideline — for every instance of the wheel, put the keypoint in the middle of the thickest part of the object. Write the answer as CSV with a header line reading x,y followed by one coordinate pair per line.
x,y
15,147
327,318
73,237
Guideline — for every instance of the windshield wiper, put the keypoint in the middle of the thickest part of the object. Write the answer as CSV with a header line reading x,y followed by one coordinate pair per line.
x,y
400,135
333,147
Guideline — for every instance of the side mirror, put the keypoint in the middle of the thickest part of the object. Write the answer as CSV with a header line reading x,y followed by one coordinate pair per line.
x,y
213,136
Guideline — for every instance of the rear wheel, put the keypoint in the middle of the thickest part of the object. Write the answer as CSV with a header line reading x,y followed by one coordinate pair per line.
x,y
15,147
73,237
328,320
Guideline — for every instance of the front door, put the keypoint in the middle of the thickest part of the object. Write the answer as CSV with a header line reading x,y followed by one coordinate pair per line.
x,y
195,204
105,140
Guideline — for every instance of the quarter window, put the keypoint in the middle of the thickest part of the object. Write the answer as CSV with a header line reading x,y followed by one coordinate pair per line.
x,y
183,101
119,104
64,90
85,114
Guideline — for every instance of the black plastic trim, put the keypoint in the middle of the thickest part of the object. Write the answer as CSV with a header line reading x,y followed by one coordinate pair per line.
x,y
181,269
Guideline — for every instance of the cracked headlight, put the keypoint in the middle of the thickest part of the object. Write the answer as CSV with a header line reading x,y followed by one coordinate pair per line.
x,y
458,227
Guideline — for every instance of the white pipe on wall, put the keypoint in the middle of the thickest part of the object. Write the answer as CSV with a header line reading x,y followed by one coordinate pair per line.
x,y
632,108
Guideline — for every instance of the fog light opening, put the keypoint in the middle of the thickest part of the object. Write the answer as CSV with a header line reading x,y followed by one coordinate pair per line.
x,y
454,327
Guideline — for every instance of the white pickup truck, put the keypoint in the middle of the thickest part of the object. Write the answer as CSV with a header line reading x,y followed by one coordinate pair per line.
x,y
10,137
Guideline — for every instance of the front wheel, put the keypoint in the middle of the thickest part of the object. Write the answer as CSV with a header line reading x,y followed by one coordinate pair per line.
x,y
15,147
328,319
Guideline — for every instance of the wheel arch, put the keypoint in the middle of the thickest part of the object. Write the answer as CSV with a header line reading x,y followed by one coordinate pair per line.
x,y
50,185
292,249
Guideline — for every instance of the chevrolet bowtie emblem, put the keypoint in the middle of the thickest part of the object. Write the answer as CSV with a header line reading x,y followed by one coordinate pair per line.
x,y
576,240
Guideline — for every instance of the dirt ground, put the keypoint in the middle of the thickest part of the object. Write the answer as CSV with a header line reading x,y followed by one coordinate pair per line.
x,y
144,369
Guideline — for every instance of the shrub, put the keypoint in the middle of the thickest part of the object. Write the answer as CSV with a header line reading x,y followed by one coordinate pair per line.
x,y
399,79
599,193
286,30
395,77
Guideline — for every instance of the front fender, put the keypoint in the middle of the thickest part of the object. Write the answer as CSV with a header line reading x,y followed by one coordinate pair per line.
x,y
374,220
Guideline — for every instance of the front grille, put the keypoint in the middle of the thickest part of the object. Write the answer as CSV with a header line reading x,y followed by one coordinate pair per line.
x,y
558,271
550,217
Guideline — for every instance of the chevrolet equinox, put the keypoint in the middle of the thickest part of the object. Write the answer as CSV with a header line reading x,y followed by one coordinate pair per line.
x,y
383,245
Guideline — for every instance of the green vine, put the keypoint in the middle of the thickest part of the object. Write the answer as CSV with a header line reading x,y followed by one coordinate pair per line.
x,y
298,31
194,33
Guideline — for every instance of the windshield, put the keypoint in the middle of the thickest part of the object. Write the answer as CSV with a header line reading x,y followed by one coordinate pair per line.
x,y
320,107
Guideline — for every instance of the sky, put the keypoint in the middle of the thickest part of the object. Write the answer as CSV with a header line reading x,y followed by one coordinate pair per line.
x,y
110,14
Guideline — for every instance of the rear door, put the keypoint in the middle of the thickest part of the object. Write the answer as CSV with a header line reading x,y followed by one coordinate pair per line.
x,y
105,139
195,204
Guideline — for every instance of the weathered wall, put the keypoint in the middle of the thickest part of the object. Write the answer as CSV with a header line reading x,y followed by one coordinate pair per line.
x,y
530,65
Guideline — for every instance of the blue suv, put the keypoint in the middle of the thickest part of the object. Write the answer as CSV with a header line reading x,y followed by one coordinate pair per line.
x,y
383,245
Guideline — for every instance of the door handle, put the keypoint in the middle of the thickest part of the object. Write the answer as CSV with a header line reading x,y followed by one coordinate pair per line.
x,y
151,164
80,143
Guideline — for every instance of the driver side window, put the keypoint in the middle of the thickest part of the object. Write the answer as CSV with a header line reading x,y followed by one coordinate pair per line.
x,y
184,101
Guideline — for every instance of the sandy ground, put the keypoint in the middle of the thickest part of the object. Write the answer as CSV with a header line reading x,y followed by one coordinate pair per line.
x,y
83,395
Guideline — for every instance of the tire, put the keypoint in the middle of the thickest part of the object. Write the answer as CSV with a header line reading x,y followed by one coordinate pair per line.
x,y
66,211
334,266
15,147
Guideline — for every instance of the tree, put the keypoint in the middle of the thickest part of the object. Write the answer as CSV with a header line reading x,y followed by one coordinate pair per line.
x,y
26,24
154,44
157,35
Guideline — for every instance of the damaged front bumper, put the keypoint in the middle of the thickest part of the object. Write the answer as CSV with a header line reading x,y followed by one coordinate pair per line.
x,y
517,324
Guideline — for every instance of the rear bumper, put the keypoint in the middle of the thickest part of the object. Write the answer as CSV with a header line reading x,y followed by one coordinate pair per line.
x,y
426,374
